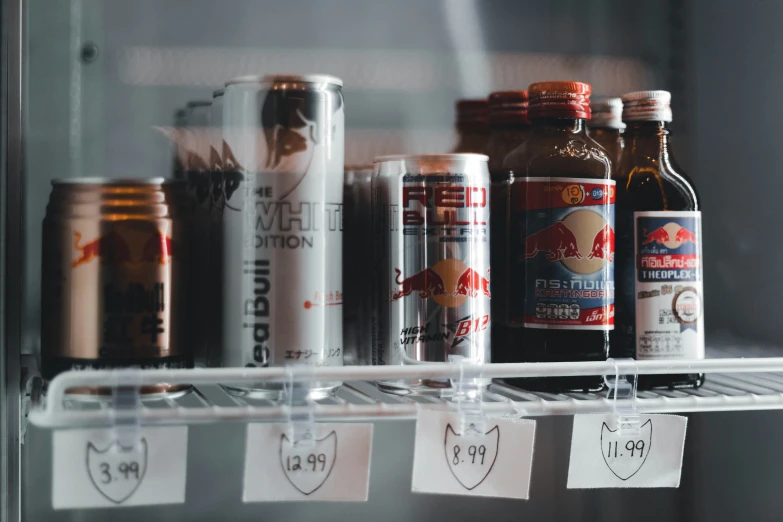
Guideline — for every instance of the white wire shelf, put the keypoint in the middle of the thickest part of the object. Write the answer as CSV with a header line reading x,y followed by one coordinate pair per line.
x,y
732,384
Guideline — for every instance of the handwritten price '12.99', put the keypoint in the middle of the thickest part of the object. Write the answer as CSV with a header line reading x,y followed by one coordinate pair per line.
x,y
474,452
294,462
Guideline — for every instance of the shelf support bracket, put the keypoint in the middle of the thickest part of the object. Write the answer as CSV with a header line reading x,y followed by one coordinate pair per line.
x,y
126,405
301,408
468,390
622,392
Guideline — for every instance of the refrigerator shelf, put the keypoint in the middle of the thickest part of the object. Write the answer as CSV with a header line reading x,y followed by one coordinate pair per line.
x,y
732,384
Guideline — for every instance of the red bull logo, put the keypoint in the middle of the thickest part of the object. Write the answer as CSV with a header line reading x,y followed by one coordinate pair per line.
x,y
427,283
603,245
583,241
450,282
557,241
471,284
671,235
113,248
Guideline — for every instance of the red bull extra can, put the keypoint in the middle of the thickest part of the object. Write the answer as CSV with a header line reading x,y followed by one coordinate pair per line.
x,y
431,255
113,277
282,226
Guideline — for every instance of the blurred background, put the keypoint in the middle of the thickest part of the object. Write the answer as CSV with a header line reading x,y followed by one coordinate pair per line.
x,y
102,76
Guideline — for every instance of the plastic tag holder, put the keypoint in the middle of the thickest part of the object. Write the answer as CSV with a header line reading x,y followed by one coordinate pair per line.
x,y
622,392
468,391
300,407
126,407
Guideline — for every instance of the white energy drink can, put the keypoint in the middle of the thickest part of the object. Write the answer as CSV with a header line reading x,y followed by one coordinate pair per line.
x,y
431,255
282,226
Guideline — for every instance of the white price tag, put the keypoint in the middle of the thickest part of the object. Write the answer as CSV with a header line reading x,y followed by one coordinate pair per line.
x,y
496,463
601,458
91,469
336,467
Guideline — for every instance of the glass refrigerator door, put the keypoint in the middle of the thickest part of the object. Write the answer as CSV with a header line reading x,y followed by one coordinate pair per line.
x,y
113,89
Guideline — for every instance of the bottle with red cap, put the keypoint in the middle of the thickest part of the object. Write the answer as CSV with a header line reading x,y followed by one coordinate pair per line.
x,y
561,239
472,126
509,127
660,312
606,126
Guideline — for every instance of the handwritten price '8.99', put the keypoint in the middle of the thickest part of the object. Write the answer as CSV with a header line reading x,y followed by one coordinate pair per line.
x,y
474,453
634,449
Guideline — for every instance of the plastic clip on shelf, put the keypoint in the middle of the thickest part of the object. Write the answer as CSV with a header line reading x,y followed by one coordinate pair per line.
x,y
300,407
622,392
126,406
469,388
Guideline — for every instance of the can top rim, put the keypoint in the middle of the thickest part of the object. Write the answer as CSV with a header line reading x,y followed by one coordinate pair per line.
x,y
432,157
109,181
271,78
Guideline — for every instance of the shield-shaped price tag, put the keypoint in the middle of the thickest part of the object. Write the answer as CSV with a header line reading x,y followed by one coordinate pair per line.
x,y
92,468
603,458
333,464
495,462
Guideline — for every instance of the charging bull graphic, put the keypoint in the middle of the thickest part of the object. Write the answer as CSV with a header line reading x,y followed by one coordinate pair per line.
x,y
603,245
471,284
671,235
115,249
427,283
557,241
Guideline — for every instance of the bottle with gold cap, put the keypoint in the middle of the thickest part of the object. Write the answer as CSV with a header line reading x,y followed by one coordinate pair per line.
x,y
561,239
606,126
660,311
472,126
509,127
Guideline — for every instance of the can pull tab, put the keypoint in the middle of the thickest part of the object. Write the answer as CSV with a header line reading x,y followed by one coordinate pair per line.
x,y
126,406
468,390
622,392
300,408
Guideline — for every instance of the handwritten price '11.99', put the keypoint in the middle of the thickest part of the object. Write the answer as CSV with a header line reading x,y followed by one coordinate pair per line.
x,y
313,461
634,448
474,453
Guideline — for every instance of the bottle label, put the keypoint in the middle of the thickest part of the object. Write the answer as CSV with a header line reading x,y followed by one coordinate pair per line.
x,y
565,231
669,287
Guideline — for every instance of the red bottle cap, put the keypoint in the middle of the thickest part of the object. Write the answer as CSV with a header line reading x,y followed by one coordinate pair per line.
x,y
559,100
472,114
508,108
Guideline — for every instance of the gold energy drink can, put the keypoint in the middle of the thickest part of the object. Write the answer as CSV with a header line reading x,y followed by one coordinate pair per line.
x,y
113,278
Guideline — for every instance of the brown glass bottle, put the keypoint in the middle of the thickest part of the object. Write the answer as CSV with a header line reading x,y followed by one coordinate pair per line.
x,y
509,127
472,126
606,126
561,239
656,202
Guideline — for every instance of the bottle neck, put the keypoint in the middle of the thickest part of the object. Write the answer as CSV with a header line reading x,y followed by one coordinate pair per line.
x,y
648,138
566,125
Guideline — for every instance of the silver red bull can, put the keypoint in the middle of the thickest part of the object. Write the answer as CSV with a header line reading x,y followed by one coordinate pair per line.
x,y
431,253
282,226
